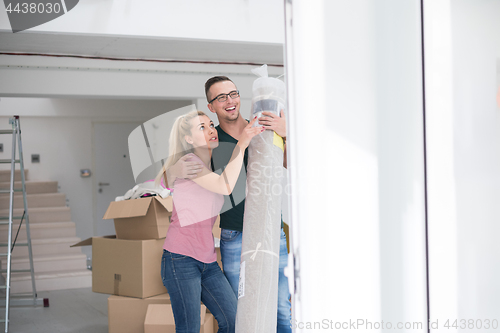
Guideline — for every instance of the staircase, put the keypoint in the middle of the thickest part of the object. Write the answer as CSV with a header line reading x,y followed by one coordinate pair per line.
x,y
56,265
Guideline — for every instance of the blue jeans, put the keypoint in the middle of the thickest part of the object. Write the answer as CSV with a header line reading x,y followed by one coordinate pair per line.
x,y
230,250
190,281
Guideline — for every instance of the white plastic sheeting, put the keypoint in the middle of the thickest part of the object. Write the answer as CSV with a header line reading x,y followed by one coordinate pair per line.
x,y
258,287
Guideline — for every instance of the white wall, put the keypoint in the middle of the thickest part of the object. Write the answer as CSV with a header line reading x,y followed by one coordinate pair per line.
x,y
356,163
476,141
230,20
462,52
441,184
89,78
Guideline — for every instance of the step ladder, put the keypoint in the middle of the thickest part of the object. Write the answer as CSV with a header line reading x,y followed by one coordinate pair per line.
x,y
29,299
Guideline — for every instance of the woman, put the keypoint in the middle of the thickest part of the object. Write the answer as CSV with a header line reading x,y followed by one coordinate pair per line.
x,y
189,268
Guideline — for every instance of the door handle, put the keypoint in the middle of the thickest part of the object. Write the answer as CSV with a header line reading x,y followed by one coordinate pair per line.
x,y
103,184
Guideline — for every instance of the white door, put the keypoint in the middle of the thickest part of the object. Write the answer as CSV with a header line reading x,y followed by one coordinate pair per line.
x,y
112,171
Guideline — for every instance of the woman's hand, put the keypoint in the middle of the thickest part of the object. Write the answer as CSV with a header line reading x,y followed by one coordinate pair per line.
x,y
248,133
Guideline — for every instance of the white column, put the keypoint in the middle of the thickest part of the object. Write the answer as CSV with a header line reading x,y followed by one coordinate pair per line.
x,y
355,149
442,220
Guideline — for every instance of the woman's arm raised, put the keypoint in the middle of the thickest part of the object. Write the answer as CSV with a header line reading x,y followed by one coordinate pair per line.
x,y
224,183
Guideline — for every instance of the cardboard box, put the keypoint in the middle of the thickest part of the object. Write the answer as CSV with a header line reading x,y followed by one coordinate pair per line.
x,y
286,229
145,218
126,267
219,260
210,325
160,319
215,324
216,229
127,314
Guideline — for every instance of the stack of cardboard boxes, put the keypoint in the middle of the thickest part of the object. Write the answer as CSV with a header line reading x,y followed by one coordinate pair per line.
x,y
128,266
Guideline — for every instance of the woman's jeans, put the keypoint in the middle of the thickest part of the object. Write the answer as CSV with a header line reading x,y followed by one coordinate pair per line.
x,y
230,249
190,281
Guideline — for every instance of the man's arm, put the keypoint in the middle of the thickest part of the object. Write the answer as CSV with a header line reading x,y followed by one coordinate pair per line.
x,y
185,167
274,122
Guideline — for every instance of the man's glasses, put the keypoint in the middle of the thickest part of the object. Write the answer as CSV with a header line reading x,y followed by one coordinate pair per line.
x,y
223,97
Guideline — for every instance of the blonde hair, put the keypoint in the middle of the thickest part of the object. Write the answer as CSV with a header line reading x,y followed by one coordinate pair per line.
x,y
178,146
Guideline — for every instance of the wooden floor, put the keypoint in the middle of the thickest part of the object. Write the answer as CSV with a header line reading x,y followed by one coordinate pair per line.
x,y
69,311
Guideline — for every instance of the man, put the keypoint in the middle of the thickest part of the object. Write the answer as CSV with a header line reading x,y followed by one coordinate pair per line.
x,y
223,100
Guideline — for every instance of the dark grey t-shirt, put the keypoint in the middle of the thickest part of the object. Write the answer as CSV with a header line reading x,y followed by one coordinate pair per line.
x,y
232,212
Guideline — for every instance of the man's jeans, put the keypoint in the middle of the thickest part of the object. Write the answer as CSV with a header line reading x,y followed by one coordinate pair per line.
x,y
230,249
190,281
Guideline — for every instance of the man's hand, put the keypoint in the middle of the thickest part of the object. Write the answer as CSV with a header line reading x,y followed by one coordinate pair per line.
x,y
272,121
184,168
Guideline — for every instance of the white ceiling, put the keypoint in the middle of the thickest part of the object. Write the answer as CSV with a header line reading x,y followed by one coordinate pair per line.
x,y
141,48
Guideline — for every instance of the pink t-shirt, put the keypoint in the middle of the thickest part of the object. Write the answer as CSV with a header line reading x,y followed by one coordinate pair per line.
x,y
194,213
